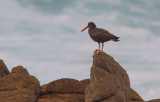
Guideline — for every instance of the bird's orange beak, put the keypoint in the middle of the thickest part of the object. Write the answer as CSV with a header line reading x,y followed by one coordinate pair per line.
x,y
84,29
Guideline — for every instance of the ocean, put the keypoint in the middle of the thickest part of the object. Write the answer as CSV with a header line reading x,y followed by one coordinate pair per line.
x,y
45,37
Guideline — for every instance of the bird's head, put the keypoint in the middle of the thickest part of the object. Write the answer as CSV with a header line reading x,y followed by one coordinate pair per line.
x,y
91,25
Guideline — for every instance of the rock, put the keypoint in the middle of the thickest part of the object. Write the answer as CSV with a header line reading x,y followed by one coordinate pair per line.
x,y
48,99
85,83
155,100
65,86
20,70
19,79
135,97
63,90
62,98
109,82
22,95
3,69
19,86
44,89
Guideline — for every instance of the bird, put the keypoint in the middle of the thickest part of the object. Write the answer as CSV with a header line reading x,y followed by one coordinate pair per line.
x,y
100,35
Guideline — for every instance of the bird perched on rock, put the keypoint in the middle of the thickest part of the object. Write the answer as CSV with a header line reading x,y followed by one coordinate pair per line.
x,y
100,35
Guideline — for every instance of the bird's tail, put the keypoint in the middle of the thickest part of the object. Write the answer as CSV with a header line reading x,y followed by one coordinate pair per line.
x,y
116,39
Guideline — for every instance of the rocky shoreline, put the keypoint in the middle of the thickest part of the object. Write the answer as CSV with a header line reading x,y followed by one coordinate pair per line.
x,y
108,82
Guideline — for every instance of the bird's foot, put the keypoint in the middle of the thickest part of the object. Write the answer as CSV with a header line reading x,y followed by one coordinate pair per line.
x,y
97,52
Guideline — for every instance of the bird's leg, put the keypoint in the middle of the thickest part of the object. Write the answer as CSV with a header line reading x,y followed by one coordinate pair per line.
x,y
102,46
98,48
97,52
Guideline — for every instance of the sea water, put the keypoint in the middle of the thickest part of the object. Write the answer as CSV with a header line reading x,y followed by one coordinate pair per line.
x,y
45,37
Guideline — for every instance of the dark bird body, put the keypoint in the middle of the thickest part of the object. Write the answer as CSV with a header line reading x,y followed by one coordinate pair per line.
x,y
100,35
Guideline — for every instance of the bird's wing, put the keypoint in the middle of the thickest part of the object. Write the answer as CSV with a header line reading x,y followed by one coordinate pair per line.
x,y
103,32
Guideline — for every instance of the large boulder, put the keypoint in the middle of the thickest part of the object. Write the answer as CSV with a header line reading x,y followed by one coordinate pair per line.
x,y
65,86
109,82
63,90
19,81
3,69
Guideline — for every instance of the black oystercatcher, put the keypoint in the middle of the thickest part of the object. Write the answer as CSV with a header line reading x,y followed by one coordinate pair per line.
x,y
100,35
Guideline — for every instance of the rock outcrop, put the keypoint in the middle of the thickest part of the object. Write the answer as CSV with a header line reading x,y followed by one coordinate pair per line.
x,y
19,86
109,82
63,90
